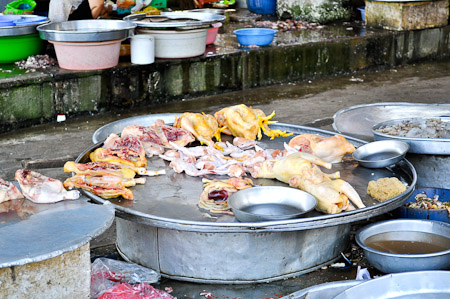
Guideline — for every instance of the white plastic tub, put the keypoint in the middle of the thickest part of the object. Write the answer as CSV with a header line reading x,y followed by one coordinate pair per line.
x,y
87,56
178,44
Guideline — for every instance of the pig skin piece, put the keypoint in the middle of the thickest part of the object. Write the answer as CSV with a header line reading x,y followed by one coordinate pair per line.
x,y
8,191
41,189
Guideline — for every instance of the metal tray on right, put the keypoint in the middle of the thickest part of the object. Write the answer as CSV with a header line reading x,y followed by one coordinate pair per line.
x,y
357,121
408,285
430,146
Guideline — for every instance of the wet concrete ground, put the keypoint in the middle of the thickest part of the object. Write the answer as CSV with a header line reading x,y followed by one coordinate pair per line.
x,y
304,103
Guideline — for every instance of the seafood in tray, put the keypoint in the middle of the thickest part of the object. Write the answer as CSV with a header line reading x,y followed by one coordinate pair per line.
x,y
418,128
237,148
424,135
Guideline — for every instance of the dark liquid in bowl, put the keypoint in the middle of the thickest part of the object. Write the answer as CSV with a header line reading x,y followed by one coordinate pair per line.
x,y
272,209
408,243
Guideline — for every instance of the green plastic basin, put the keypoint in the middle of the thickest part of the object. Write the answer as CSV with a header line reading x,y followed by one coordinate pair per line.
x,y
14,48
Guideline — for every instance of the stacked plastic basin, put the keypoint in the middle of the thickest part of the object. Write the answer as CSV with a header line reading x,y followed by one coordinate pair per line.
x,y
19,37
262,7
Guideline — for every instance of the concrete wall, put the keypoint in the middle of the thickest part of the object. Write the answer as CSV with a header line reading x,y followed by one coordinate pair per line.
x,y
38,97
65,276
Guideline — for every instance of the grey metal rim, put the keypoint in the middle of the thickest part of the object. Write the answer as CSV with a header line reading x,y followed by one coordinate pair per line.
x,y
199,19
20,30
88,30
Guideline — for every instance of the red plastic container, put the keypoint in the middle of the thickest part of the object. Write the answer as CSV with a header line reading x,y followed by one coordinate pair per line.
x,y
212,33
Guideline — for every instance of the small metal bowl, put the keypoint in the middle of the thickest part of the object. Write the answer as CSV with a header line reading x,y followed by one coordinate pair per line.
x,y
406,230
270,203
380,154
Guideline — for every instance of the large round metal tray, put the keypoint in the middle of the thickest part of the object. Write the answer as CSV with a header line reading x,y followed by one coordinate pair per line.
x,y
357,121
170,200
409,285
433,146
175,19
86,30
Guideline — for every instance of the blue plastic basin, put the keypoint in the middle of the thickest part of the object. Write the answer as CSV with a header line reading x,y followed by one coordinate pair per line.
x,y
8,20
27,20
431,214
262,7
255,36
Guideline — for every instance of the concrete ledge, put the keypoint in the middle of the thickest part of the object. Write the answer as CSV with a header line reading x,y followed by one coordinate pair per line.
x,y
33,98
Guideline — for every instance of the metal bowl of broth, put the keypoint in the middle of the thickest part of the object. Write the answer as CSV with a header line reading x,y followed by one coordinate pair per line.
x,y
406,245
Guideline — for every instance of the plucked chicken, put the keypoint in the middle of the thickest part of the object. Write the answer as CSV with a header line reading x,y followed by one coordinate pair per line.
x,y
105,186
332,195
247,122
299,170
203,126
41,189
157,136
331,149
149,139
8,191
127,151
98,169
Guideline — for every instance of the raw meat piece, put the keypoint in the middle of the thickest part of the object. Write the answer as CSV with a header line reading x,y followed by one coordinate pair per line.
x,y
127,151
41,189
330,149
8,191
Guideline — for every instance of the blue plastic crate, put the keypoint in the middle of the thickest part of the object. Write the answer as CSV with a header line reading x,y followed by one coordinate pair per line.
x,y
262,7
437,215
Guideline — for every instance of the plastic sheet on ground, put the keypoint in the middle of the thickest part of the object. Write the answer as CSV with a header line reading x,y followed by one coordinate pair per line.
x,y
108,273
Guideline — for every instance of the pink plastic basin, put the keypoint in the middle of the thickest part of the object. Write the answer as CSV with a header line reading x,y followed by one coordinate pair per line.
x,y
212,33
87,56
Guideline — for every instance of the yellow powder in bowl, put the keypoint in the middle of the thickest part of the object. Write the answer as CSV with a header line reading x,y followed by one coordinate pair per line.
x,y
385,188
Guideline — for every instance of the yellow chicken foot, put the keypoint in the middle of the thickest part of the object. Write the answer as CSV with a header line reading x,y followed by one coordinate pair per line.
x,y
264,123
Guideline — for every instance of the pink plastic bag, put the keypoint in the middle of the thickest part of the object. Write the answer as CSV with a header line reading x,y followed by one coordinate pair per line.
x,y
106,273
138,291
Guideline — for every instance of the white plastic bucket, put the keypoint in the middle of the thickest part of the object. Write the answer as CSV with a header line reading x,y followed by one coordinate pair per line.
x,y
142,49
178,44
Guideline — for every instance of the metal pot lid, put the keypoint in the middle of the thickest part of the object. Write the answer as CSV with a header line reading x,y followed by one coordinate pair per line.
x,y
170,200
21,29
217,11
86,30
175,19
34,232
